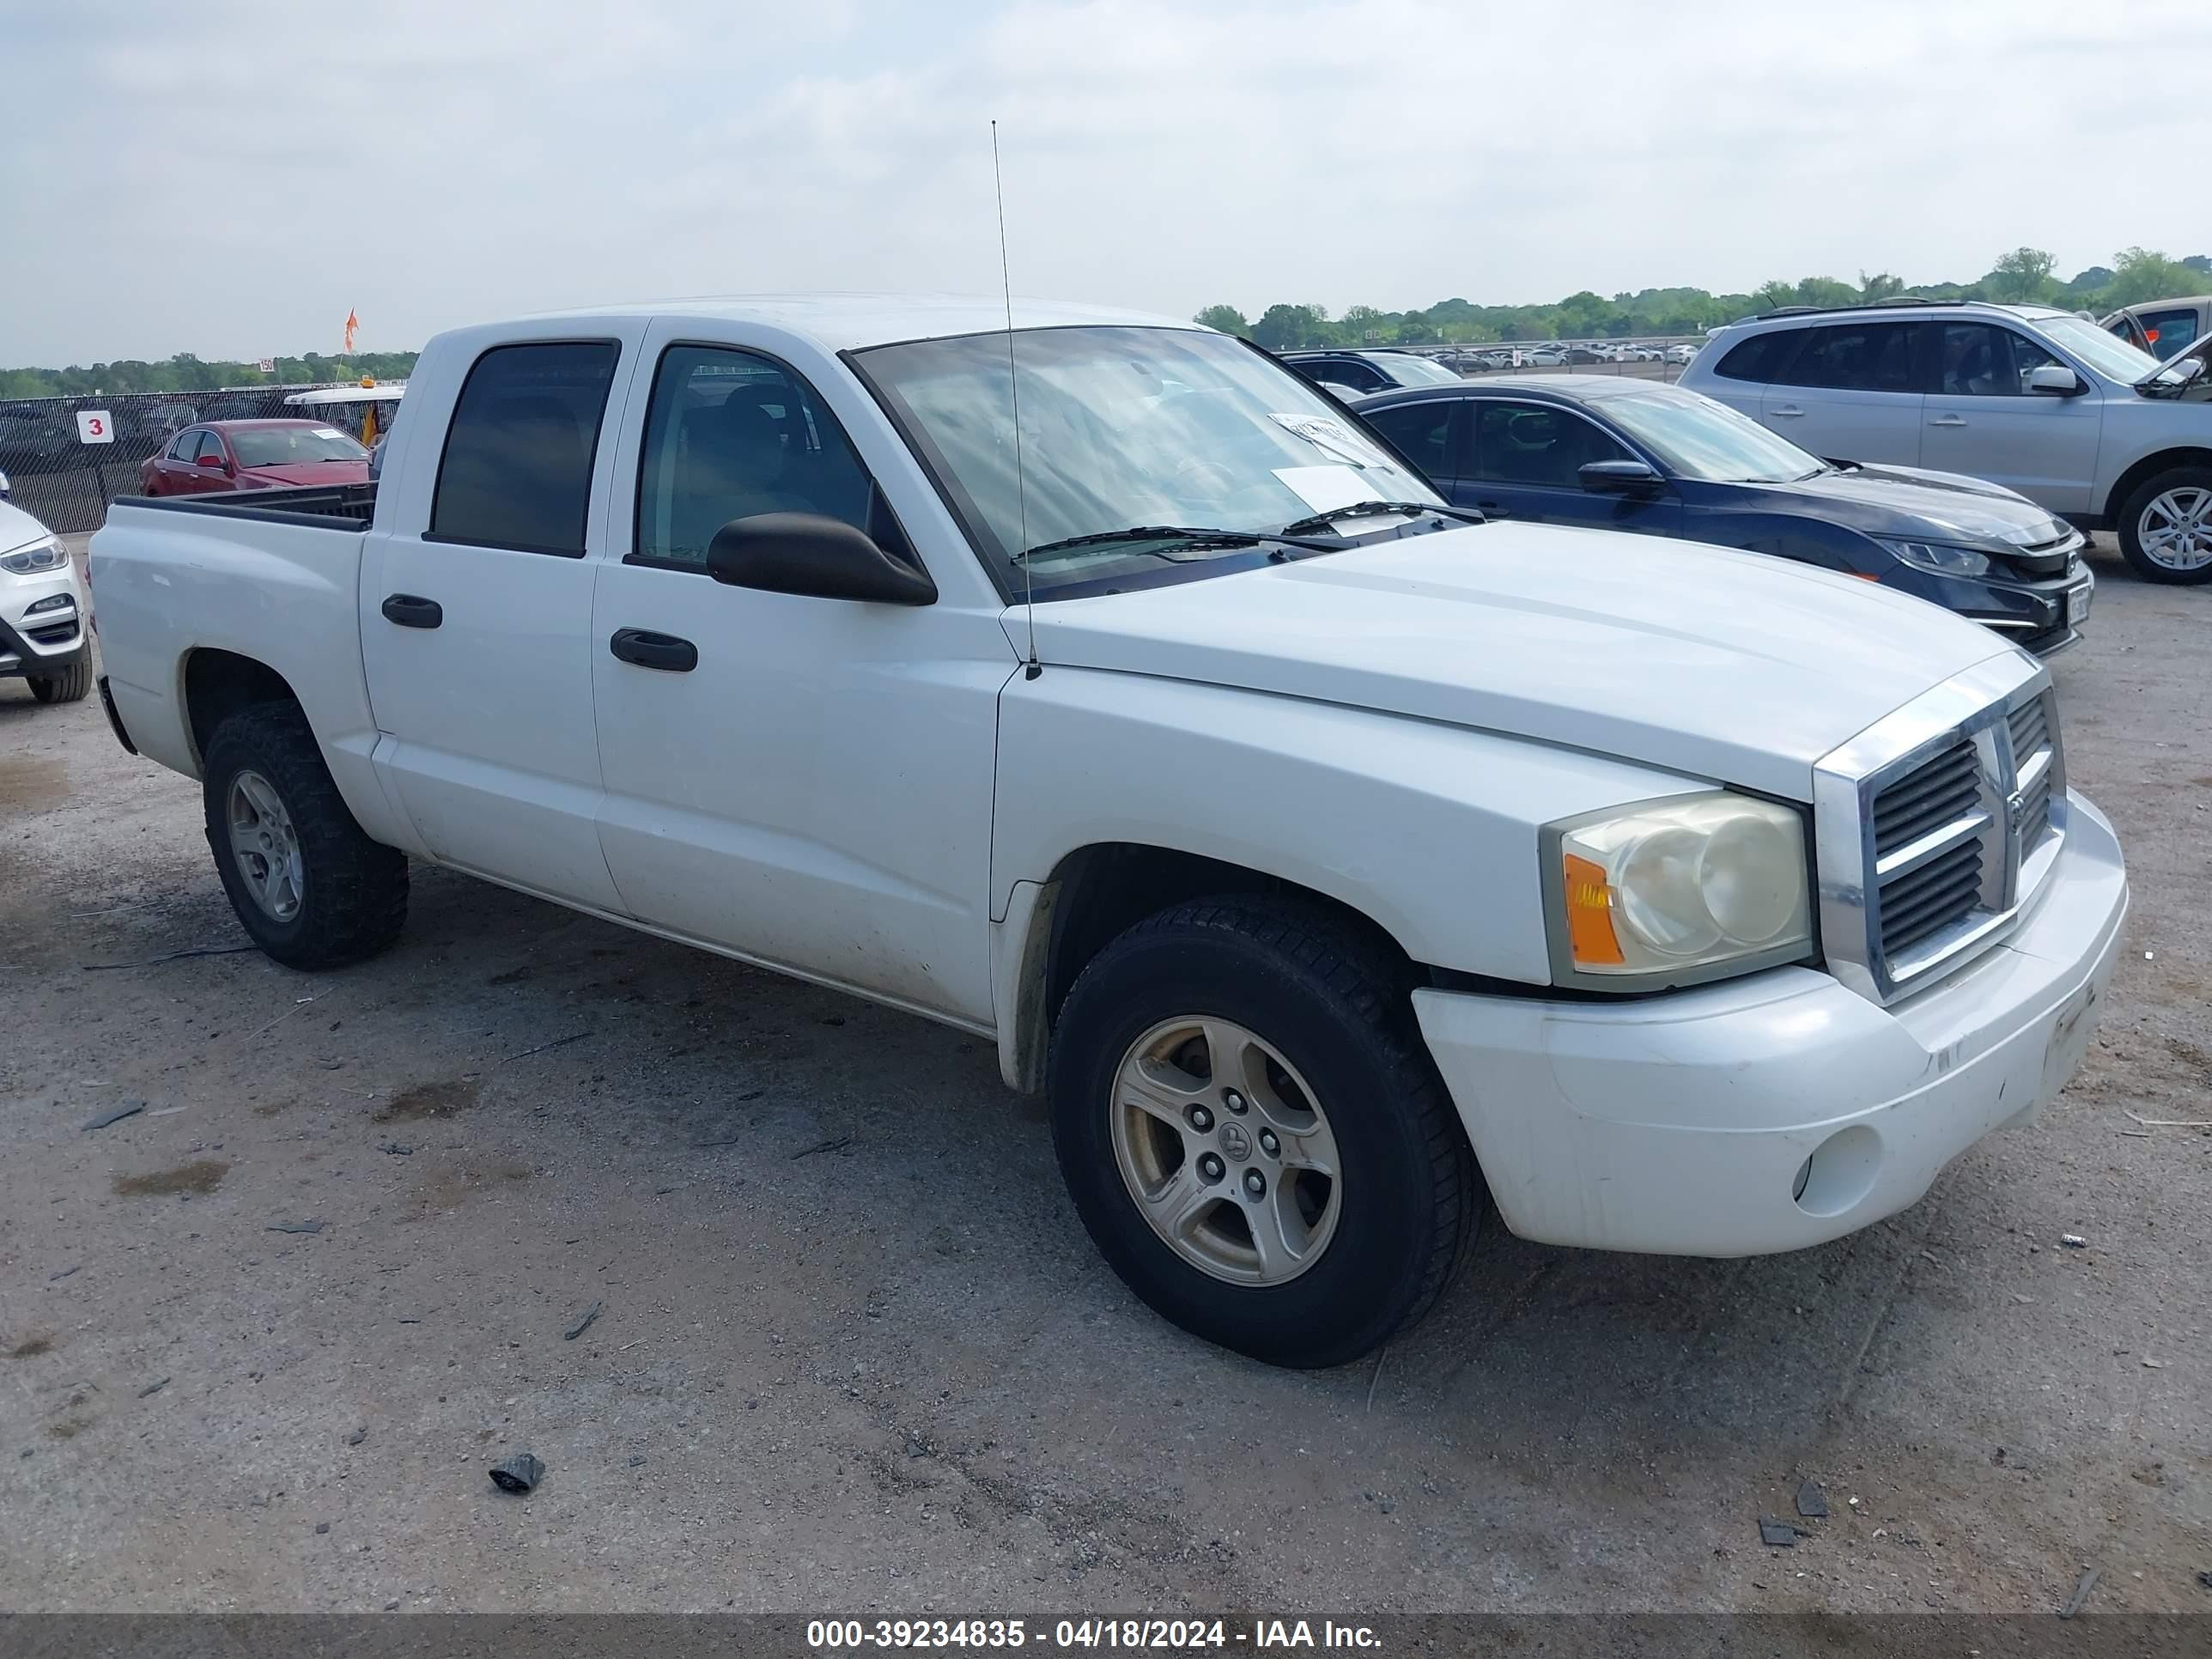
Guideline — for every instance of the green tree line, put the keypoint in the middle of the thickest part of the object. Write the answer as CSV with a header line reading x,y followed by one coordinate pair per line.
x,y
2025,274
185,373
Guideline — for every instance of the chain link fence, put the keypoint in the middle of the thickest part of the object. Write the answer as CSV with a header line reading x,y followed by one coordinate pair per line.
x,y
67,483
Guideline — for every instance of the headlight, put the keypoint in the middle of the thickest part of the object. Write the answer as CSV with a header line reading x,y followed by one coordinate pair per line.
x,y
1673,890
39,556
1944,560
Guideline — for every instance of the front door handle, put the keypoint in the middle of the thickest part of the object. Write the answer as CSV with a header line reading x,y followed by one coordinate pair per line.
x,y
1948,420
1493,510
1786,409
650,650
410,610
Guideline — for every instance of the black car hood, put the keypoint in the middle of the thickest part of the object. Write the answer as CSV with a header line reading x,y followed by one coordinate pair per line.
x,y
1909,503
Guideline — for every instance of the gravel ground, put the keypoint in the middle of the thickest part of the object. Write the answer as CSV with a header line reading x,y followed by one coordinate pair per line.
x,y
854,1352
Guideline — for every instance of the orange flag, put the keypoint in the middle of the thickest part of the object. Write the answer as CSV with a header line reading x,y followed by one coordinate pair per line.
x,y
352,322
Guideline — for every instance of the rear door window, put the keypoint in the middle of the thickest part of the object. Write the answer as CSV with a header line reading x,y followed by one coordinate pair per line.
x,y
1421,433
517,469
1757,358
1856,357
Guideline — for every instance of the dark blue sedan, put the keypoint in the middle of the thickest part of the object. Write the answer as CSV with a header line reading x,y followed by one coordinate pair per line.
x,y
1616,453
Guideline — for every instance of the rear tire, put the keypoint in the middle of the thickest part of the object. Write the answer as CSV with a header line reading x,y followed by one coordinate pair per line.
x,y
1318,1019
68,686
308,885
2167,522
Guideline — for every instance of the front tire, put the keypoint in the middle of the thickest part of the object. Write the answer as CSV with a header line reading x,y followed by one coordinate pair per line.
x,y
308,885
1253,1132
68,686
2166,527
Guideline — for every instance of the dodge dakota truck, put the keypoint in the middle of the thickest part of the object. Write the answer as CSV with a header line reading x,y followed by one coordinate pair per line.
x,y
1341,867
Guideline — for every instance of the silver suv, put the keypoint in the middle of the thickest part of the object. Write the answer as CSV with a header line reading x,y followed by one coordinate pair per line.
x,y
2038,400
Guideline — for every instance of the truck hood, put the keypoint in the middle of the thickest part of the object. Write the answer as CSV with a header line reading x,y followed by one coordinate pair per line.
x,y
1734,667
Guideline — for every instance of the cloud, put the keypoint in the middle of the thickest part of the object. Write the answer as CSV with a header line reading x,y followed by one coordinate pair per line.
x,y
230,178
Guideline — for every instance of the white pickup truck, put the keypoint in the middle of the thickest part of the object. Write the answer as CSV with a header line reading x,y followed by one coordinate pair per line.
x,y
1341,867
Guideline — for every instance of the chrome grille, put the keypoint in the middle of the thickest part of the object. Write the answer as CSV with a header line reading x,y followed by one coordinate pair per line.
x,y
1935,825
1933,794
1929,846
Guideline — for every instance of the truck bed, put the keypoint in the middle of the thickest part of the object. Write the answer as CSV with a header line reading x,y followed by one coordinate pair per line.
x,y
318,506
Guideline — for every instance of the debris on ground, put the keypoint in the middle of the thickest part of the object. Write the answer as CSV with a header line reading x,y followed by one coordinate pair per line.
x,y
2170,1122
2203,1578
822,1146
128,1109
557,1042
518,1474
322,1527
397,1149
56,1279
2081,1595
357,1436
583,1323
173,956
638,1461
2074,1240
153,1389
1812,1502
294,1227
1776,1535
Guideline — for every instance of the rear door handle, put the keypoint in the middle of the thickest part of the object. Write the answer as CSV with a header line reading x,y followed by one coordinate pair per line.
x,y
410,610
1948,420
1786,409
650,650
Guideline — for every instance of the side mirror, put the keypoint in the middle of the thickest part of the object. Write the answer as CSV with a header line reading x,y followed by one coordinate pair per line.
x,y
2055,379
215,464
1621,477
817,556
4,486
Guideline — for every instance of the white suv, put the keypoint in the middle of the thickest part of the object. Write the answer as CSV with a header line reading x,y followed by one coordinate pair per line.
x,y
2038,400
44,612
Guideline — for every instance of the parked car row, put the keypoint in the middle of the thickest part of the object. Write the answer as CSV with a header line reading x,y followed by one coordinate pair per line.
x,y
1652,460
2038,400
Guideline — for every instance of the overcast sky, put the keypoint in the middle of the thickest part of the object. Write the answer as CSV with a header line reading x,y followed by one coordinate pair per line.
x,y
229,177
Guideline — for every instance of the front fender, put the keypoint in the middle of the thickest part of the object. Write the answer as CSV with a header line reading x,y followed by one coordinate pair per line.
x,y
1427,829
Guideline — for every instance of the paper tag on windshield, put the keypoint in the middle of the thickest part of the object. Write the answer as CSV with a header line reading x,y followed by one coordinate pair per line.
x,y
1325,488
1329,436
328,432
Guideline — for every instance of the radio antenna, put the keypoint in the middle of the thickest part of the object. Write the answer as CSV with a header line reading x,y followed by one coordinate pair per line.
x,y
1032,669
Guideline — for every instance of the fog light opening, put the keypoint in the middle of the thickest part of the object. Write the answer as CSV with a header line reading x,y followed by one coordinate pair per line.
x,y
1840,1173
1804,1175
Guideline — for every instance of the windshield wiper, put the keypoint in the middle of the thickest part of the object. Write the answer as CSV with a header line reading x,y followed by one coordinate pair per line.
x,y
1182,536
1321,521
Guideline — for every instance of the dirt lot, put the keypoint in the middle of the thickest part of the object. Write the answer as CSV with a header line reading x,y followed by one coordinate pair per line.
x,y
854,1352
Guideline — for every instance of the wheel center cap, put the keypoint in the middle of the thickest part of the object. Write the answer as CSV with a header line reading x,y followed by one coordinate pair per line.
x,y
1235,1141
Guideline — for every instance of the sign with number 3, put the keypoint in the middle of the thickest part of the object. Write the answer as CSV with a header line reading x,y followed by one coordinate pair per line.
x,y
94,426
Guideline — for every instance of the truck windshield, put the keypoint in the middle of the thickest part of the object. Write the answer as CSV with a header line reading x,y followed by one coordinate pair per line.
x,y
1124,426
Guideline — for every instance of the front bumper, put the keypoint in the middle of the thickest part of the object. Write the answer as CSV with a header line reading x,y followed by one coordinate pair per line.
x,y
47,641
1683,1124
2032,614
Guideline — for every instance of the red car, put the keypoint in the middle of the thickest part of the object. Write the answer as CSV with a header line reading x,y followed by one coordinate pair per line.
x,y
217,455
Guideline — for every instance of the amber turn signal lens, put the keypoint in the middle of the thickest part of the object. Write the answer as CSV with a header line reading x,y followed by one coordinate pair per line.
x,y
1590,938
